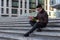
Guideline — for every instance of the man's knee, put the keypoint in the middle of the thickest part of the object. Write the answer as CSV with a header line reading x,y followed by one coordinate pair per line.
x,y
32,22
41,25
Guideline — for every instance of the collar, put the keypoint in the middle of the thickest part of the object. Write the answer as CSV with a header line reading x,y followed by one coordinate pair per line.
x,y
42,11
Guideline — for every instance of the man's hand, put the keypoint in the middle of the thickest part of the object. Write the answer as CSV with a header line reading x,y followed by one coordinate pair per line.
x,y
31,17
37,20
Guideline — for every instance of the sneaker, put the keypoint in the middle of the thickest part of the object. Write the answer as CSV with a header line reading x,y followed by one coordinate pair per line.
x,y
39,30
26,35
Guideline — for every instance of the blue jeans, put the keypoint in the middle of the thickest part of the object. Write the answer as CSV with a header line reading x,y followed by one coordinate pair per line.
x,y
35,26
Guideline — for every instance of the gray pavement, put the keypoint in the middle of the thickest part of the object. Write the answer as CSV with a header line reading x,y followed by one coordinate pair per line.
x,y
41,38
19,37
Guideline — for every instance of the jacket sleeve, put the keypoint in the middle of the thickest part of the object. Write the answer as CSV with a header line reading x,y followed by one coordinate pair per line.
x,y
46,18
36,16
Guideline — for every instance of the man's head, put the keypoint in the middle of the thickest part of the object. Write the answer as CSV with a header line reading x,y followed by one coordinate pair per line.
x,y
39,7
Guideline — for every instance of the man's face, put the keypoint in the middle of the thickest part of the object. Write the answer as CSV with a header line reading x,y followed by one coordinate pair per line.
x,y
39,9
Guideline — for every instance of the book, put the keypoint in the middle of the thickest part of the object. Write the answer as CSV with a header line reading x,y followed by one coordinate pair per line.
x,y
32,18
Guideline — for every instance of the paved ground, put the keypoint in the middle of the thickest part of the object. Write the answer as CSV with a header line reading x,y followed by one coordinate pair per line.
x,y
40,38
46,38
35,38
19,37
6,39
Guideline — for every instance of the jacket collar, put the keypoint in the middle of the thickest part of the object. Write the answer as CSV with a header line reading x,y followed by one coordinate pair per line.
x,y
42,11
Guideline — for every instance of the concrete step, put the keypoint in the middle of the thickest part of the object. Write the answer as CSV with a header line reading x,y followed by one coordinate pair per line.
x,y
57,34
15,25
54,21
11,36
28,38
14,20
22,19
27,25
22,22
25,20
51,29
2,38
54,18
28,28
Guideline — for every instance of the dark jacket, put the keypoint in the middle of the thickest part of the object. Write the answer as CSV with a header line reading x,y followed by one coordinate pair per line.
x,y
42,16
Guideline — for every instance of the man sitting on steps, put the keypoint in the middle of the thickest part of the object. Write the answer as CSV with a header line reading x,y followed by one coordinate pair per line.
x,y
41,20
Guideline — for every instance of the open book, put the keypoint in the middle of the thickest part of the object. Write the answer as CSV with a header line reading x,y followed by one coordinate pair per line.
x,y
33,14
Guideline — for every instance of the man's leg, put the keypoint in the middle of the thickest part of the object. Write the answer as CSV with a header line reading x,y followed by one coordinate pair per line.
x,y
32,22
39,29
34,27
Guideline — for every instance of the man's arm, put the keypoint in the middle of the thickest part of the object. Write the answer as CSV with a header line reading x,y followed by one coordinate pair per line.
x,y
46,18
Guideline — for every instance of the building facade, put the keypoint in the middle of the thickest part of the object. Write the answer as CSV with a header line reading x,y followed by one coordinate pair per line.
x,y
50,10
56,4
17,8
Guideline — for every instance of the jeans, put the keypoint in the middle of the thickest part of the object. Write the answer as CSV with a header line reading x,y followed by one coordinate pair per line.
x,y
35,25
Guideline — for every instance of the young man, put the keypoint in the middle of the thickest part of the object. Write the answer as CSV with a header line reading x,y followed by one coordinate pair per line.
x,y
41,22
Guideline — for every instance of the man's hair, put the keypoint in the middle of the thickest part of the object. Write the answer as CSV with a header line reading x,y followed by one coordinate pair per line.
x,y
39,5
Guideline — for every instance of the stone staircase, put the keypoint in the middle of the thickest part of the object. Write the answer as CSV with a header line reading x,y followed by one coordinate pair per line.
x,y
14,28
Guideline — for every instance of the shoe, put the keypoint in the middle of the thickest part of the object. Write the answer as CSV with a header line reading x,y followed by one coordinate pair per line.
x,y
26,35
39,30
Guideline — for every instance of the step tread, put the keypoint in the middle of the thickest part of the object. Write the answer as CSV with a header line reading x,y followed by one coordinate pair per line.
x,y
23,24
27,28
15,25
10,36
35,33
23,20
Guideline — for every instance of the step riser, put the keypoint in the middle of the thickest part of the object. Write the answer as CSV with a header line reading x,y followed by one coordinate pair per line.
x,y
20,23
29,29
25,21
33,34
1,38
10,36
26,25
